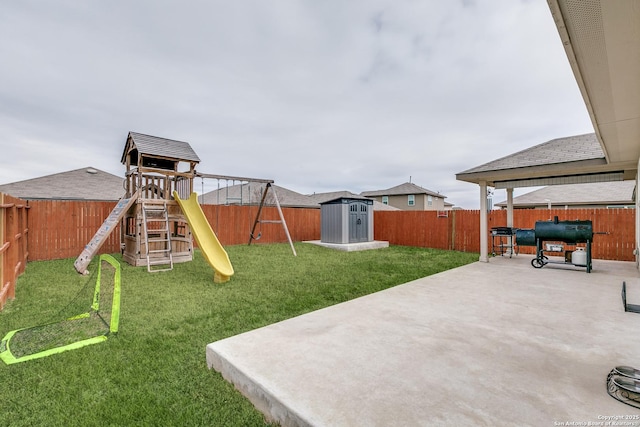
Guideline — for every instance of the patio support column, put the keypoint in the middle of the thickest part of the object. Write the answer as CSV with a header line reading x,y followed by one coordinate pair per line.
x,y
510,218
509,207
484,224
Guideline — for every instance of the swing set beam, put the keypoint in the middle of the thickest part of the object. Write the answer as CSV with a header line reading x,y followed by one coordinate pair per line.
x,y
257,221
234,178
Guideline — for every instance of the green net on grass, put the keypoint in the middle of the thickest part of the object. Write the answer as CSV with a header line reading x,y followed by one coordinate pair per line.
x,y
89,318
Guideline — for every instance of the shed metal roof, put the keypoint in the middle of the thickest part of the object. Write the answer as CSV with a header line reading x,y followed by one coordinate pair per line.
x,y
160,147
347,198
320,198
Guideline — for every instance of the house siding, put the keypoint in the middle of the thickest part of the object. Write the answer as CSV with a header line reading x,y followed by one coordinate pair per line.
x,y
401,202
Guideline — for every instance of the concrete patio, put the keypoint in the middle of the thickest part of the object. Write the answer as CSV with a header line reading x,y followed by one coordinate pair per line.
x,y
497,343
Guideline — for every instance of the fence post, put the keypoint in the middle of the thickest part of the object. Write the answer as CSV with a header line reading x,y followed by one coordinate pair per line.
x,y
453,230
13,244
3,251
7,251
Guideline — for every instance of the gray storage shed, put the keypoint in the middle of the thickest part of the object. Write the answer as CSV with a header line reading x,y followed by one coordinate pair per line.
x,y
346,220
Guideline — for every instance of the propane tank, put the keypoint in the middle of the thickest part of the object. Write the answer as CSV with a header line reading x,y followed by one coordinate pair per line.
x,y
579,257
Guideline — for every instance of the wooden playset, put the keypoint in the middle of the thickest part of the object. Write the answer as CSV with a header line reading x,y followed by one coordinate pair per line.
x,y
154,228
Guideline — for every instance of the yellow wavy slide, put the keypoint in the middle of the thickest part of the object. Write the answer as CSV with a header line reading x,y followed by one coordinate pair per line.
x,y
208,243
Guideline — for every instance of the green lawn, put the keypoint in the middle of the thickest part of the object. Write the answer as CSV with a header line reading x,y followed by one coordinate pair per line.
x,y
153,373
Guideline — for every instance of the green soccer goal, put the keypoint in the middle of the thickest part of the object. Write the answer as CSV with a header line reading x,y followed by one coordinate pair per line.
x,y
78,327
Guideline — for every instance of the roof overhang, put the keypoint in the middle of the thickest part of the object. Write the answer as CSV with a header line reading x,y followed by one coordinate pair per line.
x,y
602,42
595,170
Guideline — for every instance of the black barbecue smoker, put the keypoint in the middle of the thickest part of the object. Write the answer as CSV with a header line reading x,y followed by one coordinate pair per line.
x,y
547,235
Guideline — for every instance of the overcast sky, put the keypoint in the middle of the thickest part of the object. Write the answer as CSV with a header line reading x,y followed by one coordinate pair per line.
x,y
318,95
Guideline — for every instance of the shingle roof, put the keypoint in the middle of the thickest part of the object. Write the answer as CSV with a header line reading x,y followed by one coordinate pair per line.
x,y
333,195
400,190
559,150
597,193
288,198
161,147
81,184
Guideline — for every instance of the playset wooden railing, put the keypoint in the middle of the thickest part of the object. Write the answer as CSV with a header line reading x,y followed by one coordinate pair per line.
x,y
158,185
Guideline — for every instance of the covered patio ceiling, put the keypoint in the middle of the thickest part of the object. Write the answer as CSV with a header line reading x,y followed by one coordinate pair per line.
x,y
602,42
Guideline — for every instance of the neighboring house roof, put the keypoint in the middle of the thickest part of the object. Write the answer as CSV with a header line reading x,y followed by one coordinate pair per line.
x,y
400,190
377,206
332,195
160,147
81,184
559,150
598,193
252,193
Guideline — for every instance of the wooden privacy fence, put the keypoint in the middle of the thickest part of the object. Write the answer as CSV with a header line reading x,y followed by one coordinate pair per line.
x,y
619,225
13,244
61,229
461,229
53,229
232,224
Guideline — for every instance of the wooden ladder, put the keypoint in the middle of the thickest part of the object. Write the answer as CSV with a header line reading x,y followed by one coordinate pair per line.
x,y
157,214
